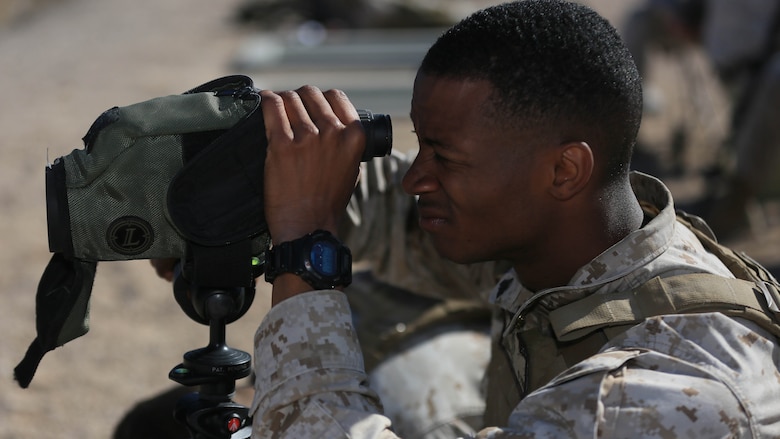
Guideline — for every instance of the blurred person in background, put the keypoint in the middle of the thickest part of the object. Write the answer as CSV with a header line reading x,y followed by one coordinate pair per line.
x,y
741,39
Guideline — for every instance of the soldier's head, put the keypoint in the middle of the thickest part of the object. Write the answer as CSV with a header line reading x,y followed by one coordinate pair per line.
x,y
553,65
519,109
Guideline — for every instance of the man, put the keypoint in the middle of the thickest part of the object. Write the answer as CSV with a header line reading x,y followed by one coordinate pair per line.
x,y
526,114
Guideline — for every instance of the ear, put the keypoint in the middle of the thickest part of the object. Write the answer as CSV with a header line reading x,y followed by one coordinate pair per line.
x,y
573,170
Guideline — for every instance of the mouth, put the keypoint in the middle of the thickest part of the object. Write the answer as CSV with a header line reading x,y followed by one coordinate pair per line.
x,y
431,217
432,225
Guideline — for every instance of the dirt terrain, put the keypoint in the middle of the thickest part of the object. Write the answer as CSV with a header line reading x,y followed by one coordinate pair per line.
x,y
62,63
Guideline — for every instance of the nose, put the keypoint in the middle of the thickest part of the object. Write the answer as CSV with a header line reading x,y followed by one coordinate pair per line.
x,y
418,178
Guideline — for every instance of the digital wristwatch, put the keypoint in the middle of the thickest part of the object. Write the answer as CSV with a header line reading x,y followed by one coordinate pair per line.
x,y
318,258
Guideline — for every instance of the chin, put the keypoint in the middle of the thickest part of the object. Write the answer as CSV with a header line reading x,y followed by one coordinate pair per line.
x,y
455,255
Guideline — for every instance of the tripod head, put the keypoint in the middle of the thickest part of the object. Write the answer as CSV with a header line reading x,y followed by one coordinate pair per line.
x,y
210,412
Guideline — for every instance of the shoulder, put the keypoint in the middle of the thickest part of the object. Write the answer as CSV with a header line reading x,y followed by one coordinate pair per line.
x,y
702,375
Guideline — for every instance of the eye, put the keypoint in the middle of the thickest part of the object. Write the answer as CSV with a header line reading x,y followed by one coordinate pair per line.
x,y
439,158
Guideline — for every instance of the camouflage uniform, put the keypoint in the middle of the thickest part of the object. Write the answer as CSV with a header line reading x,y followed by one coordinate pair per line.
x,y
702,375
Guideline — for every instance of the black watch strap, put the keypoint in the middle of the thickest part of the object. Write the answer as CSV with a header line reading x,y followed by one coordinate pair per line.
x,y
319,258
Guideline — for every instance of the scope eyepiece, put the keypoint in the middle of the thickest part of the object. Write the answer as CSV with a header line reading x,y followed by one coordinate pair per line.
x,y
379,134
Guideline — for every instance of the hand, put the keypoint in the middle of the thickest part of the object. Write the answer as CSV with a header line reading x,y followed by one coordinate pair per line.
x,y
315,141
164,267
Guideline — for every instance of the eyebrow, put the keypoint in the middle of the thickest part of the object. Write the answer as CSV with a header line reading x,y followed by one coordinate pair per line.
x,y
427,140
435,143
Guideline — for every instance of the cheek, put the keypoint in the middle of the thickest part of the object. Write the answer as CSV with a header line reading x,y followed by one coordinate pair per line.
x,y
482,204
496,189
504,203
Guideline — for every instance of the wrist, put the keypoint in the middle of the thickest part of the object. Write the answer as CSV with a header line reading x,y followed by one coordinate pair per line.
x,y
314,261
288,285
293,230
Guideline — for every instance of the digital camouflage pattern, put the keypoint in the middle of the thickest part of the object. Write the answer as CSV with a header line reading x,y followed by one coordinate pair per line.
x,y
702,375
315,383
661,248
692,376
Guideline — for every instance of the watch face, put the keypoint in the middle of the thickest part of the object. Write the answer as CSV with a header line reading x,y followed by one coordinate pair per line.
x,y
323,258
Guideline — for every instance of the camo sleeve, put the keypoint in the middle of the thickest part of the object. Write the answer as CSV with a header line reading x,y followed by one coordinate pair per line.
x,y
310,379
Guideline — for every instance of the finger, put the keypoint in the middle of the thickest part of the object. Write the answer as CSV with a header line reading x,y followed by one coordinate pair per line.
x,y
277,124
342,106
301,122
346,112
164,267
319,108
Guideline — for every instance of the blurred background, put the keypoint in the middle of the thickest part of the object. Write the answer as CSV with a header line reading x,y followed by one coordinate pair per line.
x,y
63,62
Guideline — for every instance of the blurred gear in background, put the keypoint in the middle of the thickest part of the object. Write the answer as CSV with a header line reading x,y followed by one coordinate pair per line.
x,y
345,14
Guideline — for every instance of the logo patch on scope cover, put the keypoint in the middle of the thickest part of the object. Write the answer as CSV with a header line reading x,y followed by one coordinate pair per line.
x,y
130,235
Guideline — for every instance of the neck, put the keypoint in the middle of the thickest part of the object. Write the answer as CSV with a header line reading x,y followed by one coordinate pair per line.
x,y
585,229
620,210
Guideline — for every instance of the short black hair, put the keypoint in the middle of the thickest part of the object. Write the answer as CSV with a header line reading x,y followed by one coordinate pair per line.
x,y
550,62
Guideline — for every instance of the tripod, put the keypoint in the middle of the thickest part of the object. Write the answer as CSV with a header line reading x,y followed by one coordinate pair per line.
x,y
211,412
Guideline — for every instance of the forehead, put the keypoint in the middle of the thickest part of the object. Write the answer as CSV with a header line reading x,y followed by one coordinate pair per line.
x,y
449,101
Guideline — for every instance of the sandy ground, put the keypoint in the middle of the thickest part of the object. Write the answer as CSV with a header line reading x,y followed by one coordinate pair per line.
x,y
59,69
